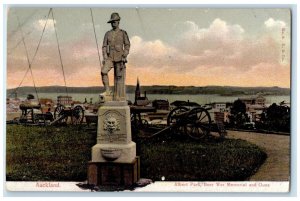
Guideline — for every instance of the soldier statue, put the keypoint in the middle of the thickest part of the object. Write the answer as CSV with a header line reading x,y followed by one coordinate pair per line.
x,y
115,50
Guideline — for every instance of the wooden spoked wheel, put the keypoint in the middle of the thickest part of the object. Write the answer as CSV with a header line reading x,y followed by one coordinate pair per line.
x,y
175,120
198,123
77,115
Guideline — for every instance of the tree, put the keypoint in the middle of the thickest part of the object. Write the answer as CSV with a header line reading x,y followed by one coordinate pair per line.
x,y
277,118
30,96
238,116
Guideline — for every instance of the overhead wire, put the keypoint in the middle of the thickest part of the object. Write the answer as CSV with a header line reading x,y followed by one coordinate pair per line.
x,y
24,22
27,56
18,43
16,89
96,38
30,63
26,34
59,52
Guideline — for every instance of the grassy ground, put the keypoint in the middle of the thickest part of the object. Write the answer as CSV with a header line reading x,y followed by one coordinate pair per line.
x,y
37,153
183,159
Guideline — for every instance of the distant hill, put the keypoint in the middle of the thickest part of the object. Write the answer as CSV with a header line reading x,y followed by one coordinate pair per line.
x,y
157,89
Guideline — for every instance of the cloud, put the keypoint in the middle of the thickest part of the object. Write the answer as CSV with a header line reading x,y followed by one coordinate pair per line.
x,y
40,24
271,23
196,40
221,45
150,53
278,30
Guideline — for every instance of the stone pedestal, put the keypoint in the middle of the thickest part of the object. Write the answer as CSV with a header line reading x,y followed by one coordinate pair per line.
x,y
114,134
114,155
113,173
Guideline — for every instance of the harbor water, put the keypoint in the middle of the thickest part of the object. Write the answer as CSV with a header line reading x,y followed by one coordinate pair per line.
x,y
198,98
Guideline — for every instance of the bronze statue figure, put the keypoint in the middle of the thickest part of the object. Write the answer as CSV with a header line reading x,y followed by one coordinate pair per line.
x,y
115,50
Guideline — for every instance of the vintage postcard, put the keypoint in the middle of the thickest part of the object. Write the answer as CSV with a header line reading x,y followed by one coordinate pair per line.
x,y
148,99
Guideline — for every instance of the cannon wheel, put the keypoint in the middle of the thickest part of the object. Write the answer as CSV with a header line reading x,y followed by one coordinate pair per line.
x,y
174,120
198,123
145,123
35,119
58,112
77,115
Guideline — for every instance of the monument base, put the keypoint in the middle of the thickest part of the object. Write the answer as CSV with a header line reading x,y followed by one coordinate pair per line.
x,y
113,173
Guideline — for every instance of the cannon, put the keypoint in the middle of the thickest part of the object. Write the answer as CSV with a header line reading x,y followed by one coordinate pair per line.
x,y
195,122
63,113
30,115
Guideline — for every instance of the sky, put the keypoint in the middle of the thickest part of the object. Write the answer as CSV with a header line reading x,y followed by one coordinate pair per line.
x,y
176,46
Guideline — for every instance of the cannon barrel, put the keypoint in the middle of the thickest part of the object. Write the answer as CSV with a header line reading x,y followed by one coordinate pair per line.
x,y
26,106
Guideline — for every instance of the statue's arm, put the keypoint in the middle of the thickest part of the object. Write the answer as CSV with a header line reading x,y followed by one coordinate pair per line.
x,y
126,44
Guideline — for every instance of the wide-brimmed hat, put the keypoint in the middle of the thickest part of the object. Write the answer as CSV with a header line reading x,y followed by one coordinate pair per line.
x,y
114,17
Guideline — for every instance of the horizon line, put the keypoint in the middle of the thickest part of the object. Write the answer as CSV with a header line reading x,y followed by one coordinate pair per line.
x,y
160,85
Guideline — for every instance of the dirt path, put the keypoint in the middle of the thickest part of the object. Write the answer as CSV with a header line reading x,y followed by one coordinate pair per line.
x,y
277,165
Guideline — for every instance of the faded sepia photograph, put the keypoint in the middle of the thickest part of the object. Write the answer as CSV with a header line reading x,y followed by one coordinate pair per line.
x,y
111,99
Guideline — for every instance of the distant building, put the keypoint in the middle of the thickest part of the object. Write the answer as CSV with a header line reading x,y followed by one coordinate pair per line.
x,y
139,100
184,104
255,111
254,107
137,91
221,106
220,111
258,100
64,100
12,105
161,104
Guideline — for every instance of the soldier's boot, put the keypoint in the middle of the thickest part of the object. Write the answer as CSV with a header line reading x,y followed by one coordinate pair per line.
x,y
105,82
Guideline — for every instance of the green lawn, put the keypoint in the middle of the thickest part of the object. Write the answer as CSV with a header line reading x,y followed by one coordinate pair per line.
x,y
47,153
61,154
